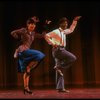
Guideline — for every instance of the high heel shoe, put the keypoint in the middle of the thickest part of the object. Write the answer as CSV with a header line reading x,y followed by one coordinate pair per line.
x,y
27,91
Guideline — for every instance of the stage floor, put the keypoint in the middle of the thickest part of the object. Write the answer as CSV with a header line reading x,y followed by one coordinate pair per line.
x,y
76,93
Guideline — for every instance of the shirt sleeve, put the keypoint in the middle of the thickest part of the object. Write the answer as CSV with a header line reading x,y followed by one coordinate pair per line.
x,y
67,31
48,38
71,29
53,38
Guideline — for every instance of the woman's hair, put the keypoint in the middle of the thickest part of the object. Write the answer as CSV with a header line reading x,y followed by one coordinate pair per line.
x,y
32,20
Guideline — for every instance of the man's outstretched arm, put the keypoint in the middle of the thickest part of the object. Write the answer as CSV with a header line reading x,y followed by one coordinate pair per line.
x,y
72,26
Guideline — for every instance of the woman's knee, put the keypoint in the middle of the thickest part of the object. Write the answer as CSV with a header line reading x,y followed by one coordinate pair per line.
x,y
41,56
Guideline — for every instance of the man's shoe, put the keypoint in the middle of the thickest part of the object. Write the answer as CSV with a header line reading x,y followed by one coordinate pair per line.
x,y
63,90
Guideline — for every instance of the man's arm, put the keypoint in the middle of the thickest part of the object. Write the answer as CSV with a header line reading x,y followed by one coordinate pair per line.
x,y
48,38
73,25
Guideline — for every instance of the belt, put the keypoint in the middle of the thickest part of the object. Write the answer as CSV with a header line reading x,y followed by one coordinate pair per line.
x,y
59,47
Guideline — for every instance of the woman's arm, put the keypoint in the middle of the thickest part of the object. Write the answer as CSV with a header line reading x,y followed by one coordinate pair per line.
x,y
18,32
38,35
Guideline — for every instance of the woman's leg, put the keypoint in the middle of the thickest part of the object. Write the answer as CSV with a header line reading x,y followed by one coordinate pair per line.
x,y
30,55
31,58
33,64
26,75
26,78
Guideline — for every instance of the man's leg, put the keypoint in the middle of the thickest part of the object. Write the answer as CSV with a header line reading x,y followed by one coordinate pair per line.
x,y
59,81
58,70
59,75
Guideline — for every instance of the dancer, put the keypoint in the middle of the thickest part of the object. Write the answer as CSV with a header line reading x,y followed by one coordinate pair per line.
x,y
63,58
27,58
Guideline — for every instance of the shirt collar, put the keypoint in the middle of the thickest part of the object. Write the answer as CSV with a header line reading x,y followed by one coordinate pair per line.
x,y
60,29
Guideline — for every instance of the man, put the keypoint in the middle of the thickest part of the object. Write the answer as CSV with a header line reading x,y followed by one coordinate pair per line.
x,y
27,58
63,58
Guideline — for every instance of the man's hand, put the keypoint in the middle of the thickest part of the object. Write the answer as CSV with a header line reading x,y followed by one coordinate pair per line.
x,y
54,45
48,21
77,18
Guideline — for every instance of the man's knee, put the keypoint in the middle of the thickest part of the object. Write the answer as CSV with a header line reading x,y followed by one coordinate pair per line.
x,y
74,58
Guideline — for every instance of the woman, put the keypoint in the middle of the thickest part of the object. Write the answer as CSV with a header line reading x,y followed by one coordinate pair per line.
x,y
27,58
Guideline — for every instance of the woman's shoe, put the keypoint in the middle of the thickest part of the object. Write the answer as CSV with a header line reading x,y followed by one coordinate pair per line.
x,y
27,91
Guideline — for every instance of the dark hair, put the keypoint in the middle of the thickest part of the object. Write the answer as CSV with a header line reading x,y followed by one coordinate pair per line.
x,y
30,21
62,20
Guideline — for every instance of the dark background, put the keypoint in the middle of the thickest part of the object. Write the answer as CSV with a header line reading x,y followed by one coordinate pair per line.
x,y
84,42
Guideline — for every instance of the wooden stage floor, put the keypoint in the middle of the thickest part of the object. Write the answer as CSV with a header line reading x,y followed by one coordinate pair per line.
x,y
76,93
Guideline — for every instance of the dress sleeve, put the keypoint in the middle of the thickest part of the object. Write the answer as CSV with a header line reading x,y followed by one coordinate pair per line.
x,y
16,33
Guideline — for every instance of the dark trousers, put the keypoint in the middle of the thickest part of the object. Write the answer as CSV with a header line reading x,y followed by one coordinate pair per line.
x,y
63,59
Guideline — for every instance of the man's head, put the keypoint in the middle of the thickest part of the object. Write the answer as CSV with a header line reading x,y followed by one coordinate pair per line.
x,y
63,23
31,23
